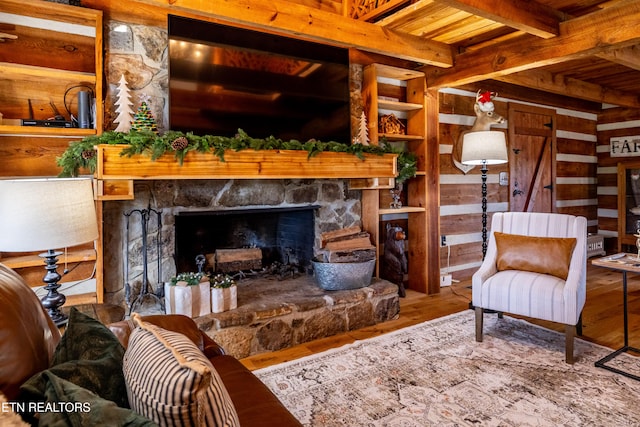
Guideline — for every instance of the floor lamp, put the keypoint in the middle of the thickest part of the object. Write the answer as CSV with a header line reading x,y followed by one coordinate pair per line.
x,y
47,214
484,148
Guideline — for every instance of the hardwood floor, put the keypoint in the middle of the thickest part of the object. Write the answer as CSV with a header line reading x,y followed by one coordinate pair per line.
x,y
602,316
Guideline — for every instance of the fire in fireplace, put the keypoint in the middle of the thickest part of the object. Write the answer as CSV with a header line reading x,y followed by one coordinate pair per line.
x,y
284,235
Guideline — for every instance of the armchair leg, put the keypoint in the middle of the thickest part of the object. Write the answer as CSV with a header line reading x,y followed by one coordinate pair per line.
x,y
479,322
570,333
579,326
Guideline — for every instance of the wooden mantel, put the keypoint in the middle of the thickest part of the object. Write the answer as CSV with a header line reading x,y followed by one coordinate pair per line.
x,y
115,172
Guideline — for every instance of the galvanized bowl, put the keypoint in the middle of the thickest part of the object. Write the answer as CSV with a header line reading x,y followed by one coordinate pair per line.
x,y
338,276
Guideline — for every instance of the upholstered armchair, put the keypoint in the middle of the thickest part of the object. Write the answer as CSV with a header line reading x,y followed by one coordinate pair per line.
x,y
535,267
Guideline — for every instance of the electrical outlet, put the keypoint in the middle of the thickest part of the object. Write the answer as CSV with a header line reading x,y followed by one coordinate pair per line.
x,y
445,280
443,240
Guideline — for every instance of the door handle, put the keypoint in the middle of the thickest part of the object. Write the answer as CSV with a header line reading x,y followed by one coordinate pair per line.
x,y
517,191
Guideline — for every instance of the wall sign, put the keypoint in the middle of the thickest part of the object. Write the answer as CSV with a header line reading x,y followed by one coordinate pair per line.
x,y
624,146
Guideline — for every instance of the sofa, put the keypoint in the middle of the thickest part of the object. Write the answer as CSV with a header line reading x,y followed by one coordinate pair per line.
x,y
83,367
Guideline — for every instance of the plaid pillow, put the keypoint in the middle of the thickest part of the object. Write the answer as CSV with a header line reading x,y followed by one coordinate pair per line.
x,y
170,381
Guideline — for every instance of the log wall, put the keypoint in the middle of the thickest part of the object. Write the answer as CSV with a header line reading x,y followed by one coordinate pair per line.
x,y
460,194
614,122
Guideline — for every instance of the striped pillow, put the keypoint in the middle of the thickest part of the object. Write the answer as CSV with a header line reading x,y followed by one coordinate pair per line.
x,y
170,381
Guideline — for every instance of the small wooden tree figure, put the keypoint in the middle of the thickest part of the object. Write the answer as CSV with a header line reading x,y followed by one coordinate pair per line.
x,y
363,131
123,106
144,120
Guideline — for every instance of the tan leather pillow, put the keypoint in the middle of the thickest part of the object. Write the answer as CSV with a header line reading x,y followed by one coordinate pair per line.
x,y
547,255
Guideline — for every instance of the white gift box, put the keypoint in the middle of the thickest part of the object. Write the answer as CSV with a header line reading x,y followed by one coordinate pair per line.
x,y
192,301
223,299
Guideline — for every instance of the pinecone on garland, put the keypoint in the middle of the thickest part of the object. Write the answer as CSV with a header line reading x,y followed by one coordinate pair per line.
x,y
88,154
180,143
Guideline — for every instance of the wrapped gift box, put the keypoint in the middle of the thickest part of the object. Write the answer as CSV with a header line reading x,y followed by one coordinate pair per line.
x,y
224,299
192,301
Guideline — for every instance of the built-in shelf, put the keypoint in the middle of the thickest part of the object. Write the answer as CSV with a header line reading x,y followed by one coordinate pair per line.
x,y
404,209
400,137
45,131
11,70
23,261
385,104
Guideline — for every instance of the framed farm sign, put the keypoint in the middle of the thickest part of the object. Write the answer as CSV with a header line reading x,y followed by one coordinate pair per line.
x,y
625,146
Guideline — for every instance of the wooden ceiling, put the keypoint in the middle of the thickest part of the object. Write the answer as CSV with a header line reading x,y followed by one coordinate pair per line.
x,y
584,49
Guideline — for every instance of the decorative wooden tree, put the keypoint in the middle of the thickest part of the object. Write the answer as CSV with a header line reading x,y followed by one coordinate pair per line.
x,y
144,120
123,106
363,131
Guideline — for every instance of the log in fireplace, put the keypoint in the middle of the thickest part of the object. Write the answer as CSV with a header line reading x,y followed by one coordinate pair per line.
x,y
284,235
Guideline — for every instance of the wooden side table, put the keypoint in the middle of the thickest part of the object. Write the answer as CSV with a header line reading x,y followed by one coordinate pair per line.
x,y
624,263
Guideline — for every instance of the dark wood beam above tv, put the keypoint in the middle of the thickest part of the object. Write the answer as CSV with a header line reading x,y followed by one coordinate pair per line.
x,y
300,21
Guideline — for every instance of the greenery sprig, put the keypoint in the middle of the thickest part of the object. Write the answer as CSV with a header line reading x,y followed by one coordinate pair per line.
x,y
221,281
191,279
82,155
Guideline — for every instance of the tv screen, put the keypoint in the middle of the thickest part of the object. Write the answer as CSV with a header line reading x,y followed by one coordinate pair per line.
x,y
223,78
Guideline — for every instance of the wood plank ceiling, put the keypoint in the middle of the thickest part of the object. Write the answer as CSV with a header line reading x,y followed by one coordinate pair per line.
x,y
584,49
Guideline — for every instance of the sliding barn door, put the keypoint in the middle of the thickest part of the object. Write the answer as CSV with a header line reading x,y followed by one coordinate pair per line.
x,y
532,148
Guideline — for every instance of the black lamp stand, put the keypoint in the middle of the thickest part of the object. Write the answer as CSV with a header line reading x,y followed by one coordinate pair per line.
x,y
53,300
484,208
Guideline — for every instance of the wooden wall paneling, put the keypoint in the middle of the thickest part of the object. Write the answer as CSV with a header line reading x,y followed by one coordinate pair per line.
x,y
613,122
575,191
575,169
576,187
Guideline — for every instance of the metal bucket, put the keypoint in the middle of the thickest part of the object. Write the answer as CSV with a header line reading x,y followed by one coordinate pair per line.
x,y
337,276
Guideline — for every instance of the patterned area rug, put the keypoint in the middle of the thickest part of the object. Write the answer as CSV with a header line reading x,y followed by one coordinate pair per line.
x,y
435,374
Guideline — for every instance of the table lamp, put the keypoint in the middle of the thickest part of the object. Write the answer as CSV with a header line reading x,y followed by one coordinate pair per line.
x,y
484,148
47,214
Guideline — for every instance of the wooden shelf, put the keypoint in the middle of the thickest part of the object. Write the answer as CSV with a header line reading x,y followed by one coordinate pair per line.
x,y
11,71
382,86
384,104
57,51
396,137
391,72
245,164
45,131
24,261
404,209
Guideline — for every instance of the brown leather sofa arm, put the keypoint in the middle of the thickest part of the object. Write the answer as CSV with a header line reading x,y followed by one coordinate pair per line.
x,y
171,322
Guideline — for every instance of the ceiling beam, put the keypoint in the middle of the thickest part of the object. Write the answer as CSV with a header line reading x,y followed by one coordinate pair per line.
x,y
628,56
591,34
304,22
563,85
528,16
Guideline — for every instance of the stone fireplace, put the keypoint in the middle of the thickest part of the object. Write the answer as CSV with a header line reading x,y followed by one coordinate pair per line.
x,y
332,204
272,314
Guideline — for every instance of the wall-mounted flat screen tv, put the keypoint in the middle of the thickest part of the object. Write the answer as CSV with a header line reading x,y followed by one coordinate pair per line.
x,y
224,78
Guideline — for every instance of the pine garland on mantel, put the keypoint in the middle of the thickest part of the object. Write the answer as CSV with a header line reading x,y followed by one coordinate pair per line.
x,y
82,154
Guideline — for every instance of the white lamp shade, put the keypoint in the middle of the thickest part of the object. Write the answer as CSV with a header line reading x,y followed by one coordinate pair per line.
x,y
484,147
44,214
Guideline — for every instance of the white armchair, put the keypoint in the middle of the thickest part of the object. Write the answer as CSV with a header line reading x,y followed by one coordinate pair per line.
x,y
513,278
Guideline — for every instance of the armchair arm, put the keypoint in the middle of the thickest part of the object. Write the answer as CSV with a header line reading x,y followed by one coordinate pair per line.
x,y
171,322
487,269
575,288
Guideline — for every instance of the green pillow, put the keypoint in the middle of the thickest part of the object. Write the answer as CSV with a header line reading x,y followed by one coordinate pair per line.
x,y
84,408
88,355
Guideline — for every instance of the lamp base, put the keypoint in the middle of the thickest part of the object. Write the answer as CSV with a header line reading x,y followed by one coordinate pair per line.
x,y
53,300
